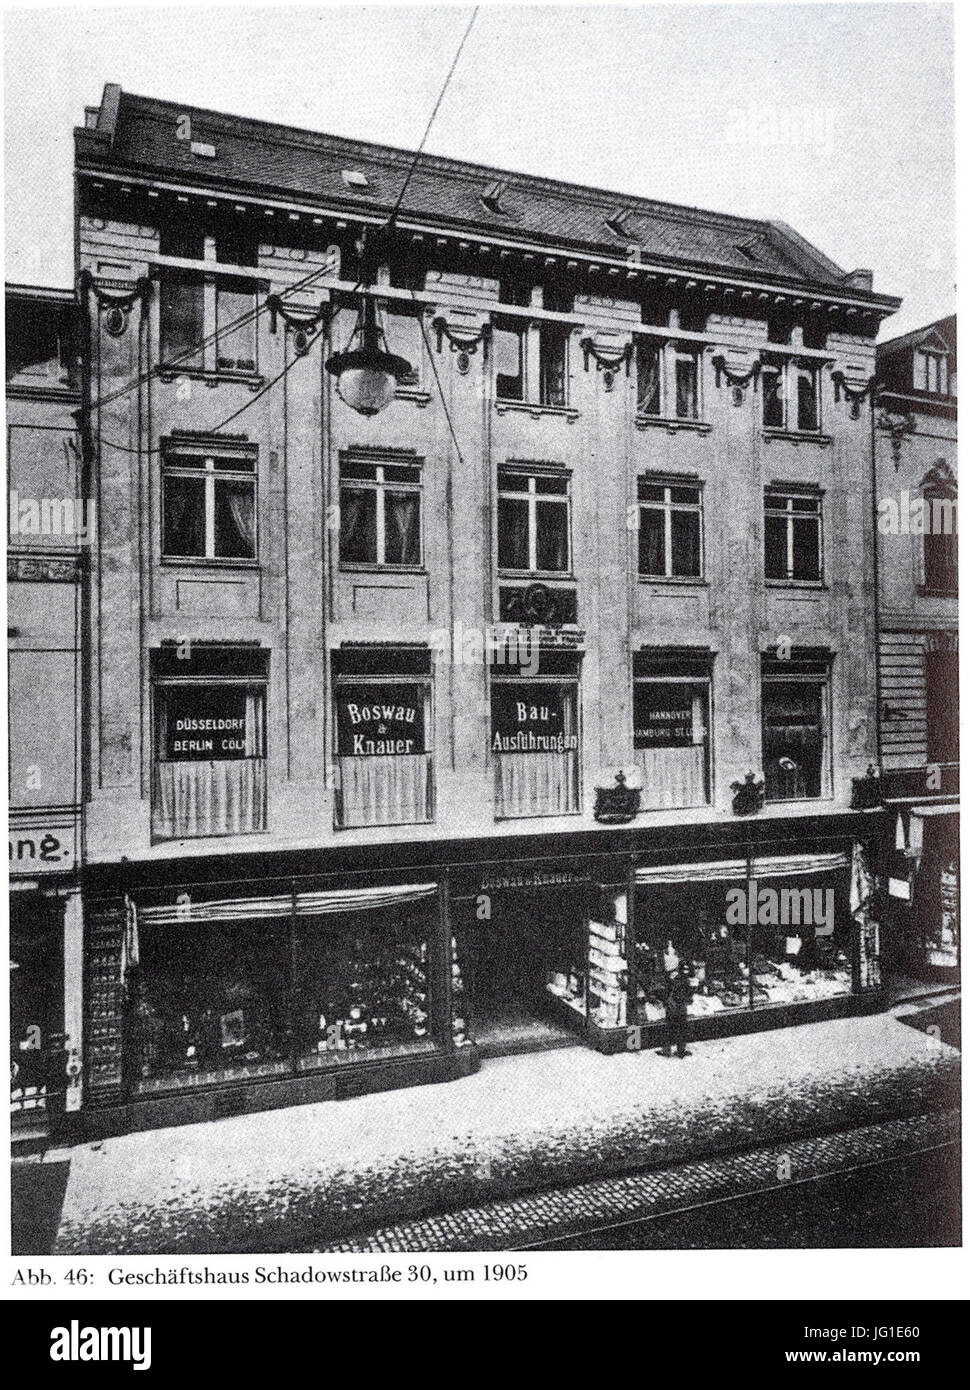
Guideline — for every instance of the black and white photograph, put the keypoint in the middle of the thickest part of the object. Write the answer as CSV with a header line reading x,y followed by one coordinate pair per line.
x,y
482,643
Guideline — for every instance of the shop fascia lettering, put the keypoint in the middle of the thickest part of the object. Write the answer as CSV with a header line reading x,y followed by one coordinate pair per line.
x,y
526,739
363,745
225,727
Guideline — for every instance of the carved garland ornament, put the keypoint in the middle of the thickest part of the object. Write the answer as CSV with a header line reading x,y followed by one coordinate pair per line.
x,y
300,324
855,395
608,362
738,381
116,299
465,345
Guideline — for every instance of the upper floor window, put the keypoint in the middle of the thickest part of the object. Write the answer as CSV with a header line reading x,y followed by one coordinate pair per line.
x,y
671,531
940,559
531,362
404,337
382,735
668,380
535,738
671,726
790,394
207,319
930,372
208,503
793,535
533,522
209,767
795,722
380,514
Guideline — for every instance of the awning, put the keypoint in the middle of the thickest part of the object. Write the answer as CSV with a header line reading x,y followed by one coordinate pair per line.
x,y
762,866
282,904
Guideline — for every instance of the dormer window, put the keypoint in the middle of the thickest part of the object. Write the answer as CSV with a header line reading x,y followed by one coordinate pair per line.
x,y
930,372
493,195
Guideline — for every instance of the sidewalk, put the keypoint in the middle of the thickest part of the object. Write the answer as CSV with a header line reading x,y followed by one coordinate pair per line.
x,y
313,1175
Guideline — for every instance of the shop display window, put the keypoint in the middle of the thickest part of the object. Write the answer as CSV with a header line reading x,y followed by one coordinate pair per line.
x,y
209,1003
363,986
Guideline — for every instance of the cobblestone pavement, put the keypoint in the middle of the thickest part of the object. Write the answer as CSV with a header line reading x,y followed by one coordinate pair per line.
x,y
315,1174
551,1216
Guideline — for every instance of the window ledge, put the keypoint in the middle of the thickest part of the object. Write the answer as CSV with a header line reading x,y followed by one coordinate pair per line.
x,y
673,581
533,408
363,567
799,436
536,577
209,562
254,380
672,426
812,586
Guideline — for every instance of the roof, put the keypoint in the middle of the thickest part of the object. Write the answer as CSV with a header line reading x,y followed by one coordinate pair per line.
x,y
136,136
945,328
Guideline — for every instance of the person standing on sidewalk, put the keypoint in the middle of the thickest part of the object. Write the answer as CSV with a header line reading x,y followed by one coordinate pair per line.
x,y
679,996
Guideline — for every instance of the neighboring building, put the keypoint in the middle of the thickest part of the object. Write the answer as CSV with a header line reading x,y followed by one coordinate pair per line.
x,y
359,689
46,530
919,712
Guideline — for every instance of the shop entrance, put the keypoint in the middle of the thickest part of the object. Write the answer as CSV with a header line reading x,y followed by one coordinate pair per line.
x,y
526,970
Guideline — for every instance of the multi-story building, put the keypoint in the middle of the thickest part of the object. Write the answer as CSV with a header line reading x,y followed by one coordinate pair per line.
x,y
916,537
448,730
48,528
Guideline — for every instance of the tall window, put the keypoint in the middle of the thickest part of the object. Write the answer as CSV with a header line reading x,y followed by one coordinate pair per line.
x,y
791,395
668,380
531,362
208,503
535,739
209,768
404,337
793,535
533,522
207,317
671,531
671,727
380,514
382,735
940,559
942,701
795,723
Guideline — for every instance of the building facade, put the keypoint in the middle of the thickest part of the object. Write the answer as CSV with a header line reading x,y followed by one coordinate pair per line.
x,y
916,533
417,738
47,534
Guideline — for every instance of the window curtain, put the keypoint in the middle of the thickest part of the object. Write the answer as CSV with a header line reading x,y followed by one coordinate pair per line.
x,y
393,790
236,326
648,382
225,797
677,776
239,518
181,319
687,389
552,537
358,525
401,532
540,784
513,540
553,369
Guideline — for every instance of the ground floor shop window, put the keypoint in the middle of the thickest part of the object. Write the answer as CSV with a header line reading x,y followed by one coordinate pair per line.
x,y
363,988
249,988
382,731
209,768
535,740
781,934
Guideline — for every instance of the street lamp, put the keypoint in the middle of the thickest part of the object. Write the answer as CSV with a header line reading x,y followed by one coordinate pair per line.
x,y
368,374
